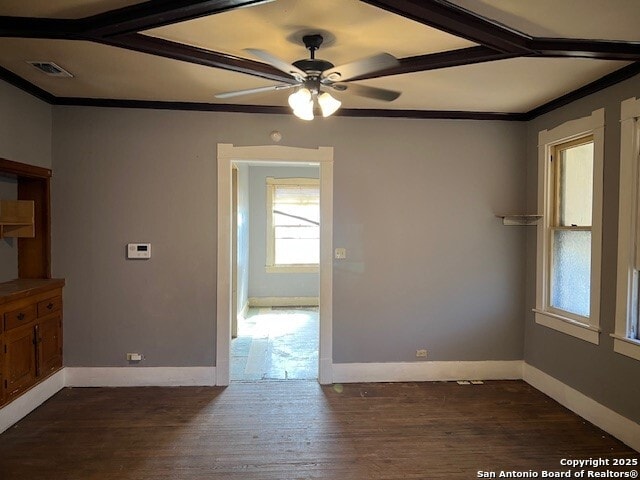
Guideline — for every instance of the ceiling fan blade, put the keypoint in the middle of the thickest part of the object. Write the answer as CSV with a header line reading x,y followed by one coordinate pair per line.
x,y
280,64
249,91
350,70
369,92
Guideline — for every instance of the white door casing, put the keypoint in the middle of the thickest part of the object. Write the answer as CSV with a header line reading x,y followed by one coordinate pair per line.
x,y
227,155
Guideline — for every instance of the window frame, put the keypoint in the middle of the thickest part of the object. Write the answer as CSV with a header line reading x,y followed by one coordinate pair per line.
x,y
555,222
584,328
271,267
628,231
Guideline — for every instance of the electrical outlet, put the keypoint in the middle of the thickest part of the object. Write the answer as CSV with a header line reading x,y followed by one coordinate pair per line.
x,y
421,353
341,253
134,357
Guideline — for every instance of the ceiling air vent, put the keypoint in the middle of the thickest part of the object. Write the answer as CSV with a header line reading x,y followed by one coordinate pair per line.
x,y
50,68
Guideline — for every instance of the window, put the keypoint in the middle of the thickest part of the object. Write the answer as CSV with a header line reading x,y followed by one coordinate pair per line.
x,y
570,227
293,224
569,234
627,335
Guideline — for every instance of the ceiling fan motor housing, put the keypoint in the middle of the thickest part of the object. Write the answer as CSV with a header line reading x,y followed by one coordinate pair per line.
x,y
313,66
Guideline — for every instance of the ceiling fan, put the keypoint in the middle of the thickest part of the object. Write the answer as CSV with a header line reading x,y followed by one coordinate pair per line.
x,y
314,78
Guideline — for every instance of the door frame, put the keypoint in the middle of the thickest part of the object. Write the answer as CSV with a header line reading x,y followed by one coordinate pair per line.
x,y
234,251
227,155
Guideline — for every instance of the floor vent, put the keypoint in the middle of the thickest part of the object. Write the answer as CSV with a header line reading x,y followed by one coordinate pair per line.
x,y
50,68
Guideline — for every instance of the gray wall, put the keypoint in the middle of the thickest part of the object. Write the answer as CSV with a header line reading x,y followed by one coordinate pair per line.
x,y
261,283
25,127
595,370
244,228
429,265
25,136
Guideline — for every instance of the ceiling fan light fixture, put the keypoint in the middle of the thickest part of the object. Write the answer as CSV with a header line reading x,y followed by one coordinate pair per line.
x,y
300,98
328,104
304,112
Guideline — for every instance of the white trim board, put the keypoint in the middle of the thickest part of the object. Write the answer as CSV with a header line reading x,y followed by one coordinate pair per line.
x,y
611,422
29,401
228,155
620,427
427,371
140,376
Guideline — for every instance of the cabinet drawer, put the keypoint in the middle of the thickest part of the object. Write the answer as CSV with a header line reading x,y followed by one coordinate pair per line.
x,y
19,317
50,305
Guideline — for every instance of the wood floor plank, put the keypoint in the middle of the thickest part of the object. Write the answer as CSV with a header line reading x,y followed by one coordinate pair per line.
x,y
299,430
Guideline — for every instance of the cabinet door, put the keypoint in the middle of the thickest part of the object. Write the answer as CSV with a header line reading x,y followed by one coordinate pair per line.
x,y
2,392
19,360
49,345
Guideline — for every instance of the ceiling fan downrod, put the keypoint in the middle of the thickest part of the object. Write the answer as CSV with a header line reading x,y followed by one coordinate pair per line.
x,y
312,42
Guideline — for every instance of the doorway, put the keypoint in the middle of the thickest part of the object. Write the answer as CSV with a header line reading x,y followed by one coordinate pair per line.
x,y
275,271
228,155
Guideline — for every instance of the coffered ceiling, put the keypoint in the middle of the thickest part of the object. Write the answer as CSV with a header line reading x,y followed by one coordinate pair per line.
x,y
457,59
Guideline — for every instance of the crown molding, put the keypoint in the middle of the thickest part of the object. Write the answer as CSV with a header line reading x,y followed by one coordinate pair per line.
x,y
19,82
593,87
282,110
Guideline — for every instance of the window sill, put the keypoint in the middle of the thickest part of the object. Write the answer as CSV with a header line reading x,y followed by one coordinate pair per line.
x,y
292,268
585,332
626,346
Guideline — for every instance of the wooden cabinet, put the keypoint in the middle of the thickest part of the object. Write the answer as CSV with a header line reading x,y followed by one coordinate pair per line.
x,y
2,395
20,360
48,337
17,218
30,334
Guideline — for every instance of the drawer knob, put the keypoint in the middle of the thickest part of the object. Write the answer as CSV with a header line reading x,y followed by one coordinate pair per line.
x,y
20,316
50,306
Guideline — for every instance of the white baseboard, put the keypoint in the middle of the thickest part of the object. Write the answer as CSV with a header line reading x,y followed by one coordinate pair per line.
x,y
245,310
325,371
140,376
284,301
426,371
29,401
611,422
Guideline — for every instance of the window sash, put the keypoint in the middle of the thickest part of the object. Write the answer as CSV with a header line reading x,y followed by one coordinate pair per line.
x,y
556,225
557,158
551,284
284,220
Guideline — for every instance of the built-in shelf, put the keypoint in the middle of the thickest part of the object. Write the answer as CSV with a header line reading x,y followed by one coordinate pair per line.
x,y
17,219
517,219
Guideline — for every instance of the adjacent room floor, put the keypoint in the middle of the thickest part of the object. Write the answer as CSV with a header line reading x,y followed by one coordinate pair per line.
x,y
300,430
278,343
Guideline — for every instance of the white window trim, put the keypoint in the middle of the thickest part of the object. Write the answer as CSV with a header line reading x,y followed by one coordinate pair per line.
x,y
587,329
271,266
627,226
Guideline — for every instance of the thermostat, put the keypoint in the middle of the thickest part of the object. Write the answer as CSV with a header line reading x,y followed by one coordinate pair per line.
x,y
138,250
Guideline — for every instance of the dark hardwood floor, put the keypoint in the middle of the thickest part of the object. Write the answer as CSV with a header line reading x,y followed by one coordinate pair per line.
x,y
300,430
